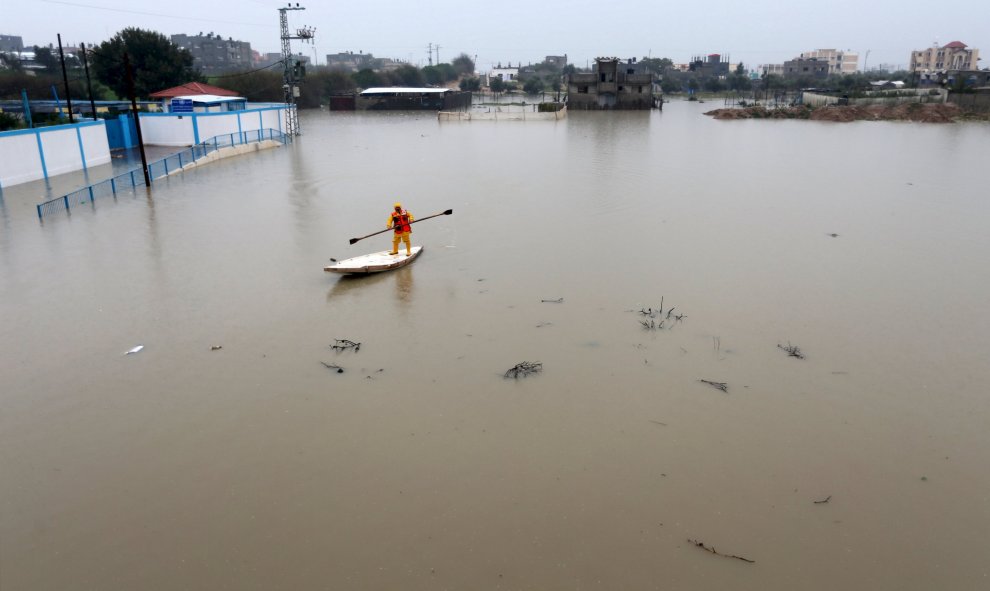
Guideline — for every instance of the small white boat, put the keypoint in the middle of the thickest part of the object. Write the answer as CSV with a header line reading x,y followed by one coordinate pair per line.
x,y
375,262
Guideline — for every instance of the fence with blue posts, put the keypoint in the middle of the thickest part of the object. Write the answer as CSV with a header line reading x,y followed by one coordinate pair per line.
x,y
158,169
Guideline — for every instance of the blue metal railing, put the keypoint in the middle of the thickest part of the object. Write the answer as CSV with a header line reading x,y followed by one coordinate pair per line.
x,y
135,177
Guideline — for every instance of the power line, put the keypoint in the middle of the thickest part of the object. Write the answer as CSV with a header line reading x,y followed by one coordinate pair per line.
x,y
157,14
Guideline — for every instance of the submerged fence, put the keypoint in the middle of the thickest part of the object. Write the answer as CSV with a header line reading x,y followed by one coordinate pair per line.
x,y
158,169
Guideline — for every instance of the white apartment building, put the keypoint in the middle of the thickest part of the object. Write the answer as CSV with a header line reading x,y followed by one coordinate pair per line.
x,y
839,61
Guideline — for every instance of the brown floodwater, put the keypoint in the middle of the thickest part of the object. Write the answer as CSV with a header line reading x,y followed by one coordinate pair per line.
x,y
254,466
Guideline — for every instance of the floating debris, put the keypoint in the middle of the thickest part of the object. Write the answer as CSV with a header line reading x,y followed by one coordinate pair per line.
x,y
667,318
717,385
216,347
342,344
134,350
523,369
337,368
823,501
556,301
651,324
792,350
833,235
713,551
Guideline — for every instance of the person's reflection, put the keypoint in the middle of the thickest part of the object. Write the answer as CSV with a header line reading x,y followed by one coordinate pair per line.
x,y
404,284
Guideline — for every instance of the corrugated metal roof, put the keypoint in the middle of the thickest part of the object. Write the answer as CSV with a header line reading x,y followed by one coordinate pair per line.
x,y
405,90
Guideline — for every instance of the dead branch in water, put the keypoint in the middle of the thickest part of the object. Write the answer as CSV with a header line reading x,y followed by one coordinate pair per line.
x,y
523,369
717,385
713,551
341,344
337,368
792,350
556,301
823,501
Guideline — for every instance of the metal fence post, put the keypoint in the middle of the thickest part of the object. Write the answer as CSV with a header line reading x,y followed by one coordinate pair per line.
x,y
132,179
113,186
91,193
66,201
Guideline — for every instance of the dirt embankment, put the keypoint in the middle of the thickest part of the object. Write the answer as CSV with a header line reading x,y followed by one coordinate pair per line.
x,y
924,113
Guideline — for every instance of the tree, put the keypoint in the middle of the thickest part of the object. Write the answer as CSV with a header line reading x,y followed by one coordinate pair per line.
x,y
407,75
657,65
366,78
740,69
44,56
463,65
472,84
157,63
533,85
263,86
496,85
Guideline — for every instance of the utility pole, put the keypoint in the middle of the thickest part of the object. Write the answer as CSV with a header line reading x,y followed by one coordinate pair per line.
x,y
89,86
429,52
291,73
438,54
137,120
65,78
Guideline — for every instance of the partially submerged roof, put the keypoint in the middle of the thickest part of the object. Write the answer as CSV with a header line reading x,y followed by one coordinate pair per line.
x,y
405,90
192,88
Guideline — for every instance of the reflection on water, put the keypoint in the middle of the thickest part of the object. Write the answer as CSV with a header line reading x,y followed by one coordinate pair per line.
x,y
420,466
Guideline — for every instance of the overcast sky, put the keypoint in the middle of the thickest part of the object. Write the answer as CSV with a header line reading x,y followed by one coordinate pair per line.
x,y
751,31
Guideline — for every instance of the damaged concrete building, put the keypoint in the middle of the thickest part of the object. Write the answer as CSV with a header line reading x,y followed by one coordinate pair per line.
x,y
612,84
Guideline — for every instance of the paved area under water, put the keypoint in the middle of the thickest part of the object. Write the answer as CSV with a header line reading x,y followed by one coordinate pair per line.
x,y
254,466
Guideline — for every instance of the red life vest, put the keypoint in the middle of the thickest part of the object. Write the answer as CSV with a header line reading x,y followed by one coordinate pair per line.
x,y
400,222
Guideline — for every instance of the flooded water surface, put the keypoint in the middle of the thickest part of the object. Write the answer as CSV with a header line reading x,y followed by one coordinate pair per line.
x,y
636,256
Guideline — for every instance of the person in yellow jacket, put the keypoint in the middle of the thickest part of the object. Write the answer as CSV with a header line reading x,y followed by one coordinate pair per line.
x,y
399,221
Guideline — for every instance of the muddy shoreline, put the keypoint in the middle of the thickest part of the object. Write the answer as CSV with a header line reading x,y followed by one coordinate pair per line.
x,y
915,112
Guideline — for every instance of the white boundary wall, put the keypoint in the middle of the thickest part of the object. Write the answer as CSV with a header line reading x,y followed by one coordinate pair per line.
x,y
187,129
31,154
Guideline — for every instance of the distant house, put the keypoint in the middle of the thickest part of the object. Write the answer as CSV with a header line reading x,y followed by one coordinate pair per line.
x,y
350,61
506,74
712,65
951,56
812,67
839,62
612,85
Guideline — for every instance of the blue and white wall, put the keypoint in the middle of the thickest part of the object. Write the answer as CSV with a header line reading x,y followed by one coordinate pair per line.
x,y
31,154
186,129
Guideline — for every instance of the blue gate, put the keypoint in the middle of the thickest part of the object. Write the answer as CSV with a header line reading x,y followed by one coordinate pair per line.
x,y
121,133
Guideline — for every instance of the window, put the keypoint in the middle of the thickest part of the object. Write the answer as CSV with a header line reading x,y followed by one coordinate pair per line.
x,y
582,90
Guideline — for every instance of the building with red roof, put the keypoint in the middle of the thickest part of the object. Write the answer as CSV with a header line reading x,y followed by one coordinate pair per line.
x,y
951,56
192,88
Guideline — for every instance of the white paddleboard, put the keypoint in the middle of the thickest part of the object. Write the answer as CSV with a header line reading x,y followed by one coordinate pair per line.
x,y
374,262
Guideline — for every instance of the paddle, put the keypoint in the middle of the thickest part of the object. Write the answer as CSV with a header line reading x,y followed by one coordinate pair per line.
x,y
448,212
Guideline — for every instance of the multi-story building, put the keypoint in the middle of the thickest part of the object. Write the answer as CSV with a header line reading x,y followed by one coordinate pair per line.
x,y
350,61
952,56
557,61
711,65
11,44
213,54
812,67
771,69
839,62
611,85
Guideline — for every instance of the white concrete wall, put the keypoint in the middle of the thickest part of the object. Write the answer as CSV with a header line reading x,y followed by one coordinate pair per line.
x,y
167,129
30,154
175,129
